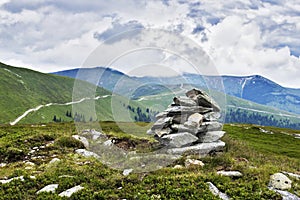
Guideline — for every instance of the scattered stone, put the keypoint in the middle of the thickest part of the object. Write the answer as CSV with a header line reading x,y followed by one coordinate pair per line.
x,y
296,176
54,160
66,176
215,191
35,148
86,153
69,192
297,136
178,139
48,188
178,167
126,172
286,195
32,177
235,174
84,141
212,136
193,162
9,180
280,181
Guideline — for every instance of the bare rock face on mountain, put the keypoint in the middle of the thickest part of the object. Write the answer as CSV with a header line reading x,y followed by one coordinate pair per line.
x,y
190,124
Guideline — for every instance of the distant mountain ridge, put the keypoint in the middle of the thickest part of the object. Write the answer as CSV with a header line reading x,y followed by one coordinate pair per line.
x,y
254,88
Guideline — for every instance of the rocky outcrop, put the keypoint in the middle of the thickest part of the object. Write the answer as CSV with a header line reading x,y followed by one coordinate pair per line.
x,y
190,124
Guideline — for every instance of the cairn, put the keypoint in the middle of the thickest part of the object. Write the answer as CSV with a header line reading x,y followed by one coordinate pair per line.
x,y
190,124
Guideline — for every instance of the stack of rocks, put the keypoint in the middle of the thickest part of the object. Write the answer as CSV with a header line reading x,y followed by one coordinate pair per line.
x,y
190,124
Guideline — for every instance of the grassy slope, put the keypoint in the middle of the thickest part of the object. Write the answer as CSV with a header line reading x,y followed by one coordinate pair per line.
x,y
257,155
23,89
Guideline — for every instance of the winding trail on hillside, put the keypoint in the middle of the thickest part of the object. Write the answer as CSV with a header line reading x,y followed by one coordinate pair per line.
x,y
54,104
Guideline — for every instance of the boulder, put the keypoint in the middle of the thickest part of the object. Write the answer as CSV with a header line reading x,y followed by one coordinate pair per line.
x,y
194,120
179,110
162,123
203,99
201,148
48,188
162,132
178,139
210,126
280,181
211,136
184,101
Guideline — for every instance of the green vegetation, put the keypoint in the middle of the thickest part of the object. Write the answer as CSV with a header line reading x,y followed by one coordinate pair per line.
x,y
23,89
255,151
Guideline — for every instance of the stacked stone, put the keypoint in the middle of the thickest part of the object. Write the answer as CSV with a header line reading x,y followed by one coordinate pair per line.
x,y
190,124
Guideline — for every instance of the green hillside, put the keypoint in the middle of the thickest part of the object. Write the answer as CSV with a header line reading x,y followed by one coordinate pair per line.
x,y
23,89
253,152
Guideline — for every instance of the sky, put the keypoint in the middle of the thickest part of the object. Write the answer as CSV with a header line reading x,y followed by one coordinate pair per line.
x,y
241,37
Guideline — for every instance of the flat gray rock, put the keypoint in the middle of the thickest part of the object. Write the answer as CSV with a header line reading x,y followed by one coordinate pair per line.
x,y
203,99
194,120
162,123
184,101
211,136
177,110
178,139
210,126
182,128
202,149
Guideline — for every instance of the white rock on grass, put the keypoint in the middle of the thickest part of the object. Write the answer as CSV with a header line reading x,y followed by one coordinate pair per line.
x,y
3,164
193,162
48,188
230,173
286,195
84,141
215,191
126,172
86,153
9,180
69,192
178,167
280,181
54,160
296,176
108,143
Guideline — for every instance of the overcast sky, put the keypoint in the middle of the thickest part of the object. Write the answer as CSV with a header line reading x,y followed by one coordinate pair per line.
x,y
242,37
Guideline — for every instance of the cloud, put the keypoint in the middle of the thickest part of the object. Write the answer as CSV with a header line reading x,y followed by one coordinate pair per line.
x,y
243,37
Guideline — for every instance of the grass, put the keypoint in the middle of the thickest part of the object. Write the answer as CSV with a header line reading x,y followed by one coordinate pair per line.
x,y
257,155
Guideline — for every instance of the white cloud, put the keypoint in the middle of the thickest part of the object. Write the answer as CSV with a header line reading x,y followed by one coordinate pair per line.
x,y
242,36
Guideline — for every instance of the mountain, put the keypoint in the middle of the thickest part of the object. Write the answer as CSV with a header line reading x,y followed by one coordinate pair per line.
x,y
28,96
253,88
